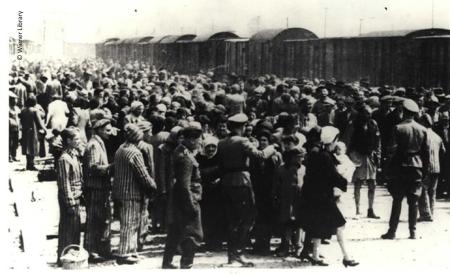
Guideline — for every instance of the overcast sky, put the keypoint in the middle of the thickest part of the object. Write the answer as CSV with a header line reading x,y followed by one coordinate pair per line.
x,y
96,20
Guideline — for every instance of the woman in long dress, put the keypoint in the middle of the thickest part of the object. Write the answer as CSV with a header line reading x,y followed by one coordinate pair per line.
x,y
319,214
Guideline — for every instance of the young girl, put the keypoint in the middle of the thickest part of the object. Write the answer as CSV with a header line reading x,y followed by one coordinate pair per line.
x,y
287,187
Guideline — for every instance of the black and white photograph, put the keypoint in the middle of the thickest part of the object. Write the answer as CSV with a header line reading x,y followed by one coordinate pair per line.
x,y
226,135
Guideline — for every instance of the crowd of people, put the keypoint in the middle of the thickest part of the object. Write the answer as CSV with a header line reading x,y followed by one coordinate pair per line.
x,y
220,158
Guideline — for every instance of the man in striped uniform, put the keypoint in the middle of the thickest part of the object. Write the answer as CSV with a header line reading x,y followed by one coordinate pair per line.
x,y
147,152
69,180
131,183
97,191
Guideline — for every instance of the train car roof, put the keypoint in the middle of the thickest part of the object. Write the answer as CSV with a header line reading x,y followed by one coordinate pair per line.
x,y
237,40
144,39
222,35
407,33
177,38
283,34
434,37
111,41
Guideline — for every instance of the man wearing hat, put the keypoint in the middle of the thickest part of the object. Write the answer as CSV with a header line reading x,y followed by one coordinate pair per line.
x,y
132,182
147,152
233,155
185,228
409,165
97,191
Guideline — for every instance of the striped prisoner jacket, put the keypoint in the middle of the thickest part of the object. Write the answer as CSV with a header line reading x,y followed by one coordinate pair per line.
x,y
131,177
95,155
69,178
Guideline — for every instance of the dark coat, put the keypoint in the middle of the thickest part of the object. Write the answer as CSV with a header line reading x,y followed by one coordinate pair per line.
x,y
262,174
31,122
319,213
184,206
411,158
212,208
287,193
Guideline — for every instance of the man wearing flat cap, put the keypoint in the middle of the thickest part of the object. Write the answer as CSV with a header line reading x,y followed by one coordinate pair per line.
x,y
147,152
408,167
132,183
97,190
185,227
233,155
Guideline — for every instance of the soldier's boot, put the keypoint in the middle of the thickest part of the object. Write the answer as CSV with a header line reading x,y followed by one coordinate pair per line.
x,y
188,248
390,235
167,260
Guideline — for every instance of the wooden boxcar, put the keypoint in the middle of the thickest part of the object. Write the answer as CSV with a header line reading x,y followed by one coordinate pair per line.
x,y
109,49
170,49
266,49
207,52
140,48
406,58
381,58
236,56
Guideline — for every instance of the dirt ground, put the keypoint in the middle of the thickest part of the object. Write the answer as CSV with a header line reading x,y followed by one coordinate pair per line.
x,y
37,207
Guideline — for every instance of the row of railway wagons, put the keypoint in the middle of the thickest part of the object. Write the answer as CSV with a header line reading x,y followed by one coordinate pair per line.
x,y
406,58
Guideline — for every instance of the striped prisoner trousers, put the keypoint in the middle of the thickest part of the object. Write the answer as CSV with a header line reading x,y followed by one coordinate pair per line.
x,y
69,227
143,227
130,223
98,221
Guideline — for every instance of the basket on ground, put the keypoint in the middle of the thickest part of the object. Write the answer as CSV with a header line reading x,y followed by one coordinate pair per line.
x,y
74,257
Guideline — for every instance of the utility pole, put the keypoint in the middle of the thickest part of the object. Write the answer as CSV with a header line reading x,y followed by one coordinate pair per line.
x,y
136,18
258,19
287,22
432,14
360,25
325,23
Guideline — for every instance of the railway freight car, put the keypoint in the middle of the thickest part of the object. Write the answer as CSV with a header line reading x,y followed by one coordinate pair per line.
x,y
168,50
381,57
236,56
106,49
266,50
206,52
140,48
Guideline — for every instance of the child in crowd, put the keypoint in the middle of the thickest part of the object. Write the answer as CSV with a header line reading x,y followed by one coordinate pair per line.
x,y
287,189
345,166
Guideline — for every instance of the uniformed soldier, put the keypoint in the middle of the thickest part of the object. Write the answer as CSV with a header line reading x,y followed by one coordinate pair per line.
x,y
184,227
97,190
408,166
234,153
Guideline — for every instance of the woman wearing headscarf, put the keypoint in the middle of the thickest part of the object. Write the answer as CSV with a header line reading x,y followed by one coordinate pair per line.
x,y
69,178
211,204
135,115
319,214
